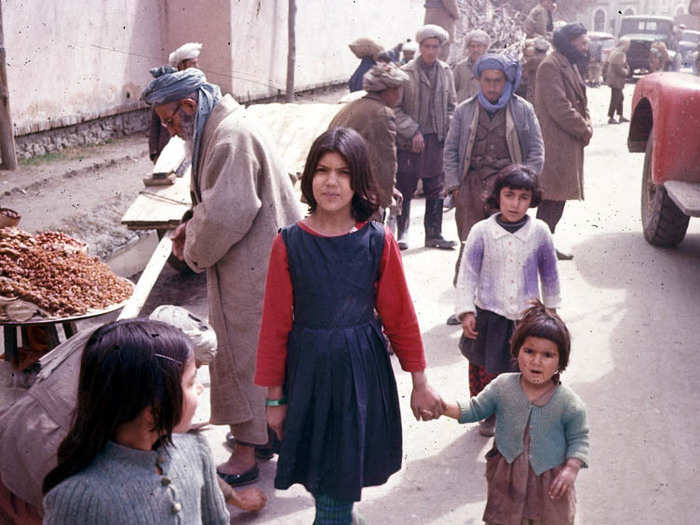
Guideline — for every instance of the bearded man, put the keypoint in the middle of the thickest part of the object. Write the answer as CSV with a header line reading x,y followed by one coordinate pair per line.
x,y
562,109
488,132
241,197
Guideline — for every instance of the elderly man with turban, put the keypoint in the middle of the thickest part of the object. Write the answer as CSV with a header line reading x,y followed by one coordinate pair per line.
x,y
476,44
562,108
241,197
488,132
422,120
372,117
187,55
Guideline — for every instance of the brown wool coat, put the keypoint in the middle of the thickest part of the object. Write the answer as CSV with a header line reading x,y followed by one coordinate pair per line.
x,y
466,84
242,196
375,121
562,109
408,108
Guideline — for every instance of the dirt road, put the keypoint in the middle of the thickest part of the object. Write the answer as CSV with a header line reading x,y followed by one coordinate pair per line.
x,y
632,310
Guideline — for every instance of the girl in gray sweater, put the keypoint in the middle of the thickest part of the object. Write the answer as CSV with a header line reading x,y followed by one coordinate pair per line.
x,y
541,431
121,461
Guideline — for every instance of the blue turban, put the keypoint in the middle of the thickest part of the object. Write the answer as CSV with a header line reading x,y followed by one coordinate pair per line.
x,y
171,87
512,70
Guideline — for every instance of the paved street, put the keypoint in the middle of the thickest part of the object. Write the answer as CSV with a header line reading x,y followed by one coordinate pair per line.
x,y
633,312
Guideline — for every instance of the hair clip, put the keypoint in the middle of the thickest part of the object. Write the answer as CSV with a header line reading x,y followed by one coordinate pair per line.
x,y
168,358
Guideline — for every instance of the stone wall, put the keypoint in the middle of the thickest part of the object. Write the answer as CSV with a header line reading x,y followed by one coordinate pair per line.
x,y
96,131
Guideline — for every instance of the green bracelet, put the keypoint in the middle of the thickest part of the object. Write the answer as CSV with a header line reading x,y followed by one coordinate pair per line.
x,y
276,402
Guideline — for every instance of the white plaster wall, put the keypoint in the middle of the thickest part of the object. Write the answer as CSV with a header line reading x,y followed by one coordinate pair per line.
x,y
70,60
324,28
75,60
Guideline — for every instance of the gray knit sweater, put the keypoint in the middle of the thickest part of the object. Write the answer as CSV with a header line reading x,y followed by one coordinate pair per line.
x,y
122,486
558,430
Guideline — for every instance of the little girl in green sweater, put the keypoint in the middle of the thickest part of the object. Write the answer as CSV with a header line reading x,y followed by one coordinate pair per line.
x,y
541,438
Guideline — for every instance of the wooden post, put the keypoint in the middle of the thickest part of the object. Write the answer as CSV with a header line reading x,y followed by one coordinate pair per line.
x,y
291,49
7,137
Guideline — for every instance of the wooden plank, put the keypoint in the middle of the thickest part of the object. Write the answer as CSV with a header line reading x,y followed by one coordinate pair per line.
x,y
159,207
148,278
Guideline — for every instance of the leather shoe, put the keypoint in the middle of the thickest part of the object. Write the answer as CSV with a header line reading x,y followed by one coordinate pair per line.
x,y
403,245
564,256
244,478
612,121
440,243
623,119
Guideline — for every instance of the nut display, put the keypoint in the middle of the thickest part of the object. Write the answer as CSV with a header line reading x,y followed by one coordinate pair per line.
x,y
53,271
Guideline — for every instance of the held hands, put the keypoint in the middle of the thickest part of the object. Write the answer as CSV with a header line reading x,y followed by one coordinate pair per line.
x,y
418,144
179,241
425,402
565,480
469,326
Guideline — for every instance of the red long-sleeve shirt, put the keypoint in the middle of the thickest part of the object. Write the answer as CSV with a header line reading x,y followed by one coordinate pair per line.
x,y
394,305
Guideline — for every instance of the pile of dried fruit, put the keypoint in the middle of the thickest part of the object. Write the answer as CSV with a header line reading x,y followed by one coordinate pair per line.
x,y
52,271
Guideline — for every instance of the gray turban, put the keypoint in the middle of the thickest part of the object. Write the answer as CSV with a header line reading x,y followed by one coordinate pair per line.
x,y
479,36
171,87
432,31
383,76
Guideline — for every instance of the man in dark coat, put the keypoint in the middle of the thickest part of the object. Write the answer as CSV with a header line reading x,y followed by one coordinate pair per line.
x,y
562,108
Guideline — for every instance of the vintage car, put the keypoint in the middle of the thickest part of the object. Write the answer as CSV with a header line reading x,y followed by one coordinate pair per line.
x,y
643,31
665,125
688,45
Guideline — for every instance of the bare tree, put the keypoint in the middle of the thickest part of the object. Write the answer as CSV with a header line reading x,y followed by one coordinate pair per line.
x,y
291,49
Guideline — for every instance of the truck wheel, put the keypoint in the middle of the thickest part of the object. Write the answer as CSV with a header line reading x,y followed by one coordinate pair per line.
x,y
663,222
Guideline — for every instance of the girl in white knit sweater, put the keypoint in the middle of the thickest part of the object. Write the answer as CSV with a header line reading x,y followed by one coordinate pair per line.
x,y
506,259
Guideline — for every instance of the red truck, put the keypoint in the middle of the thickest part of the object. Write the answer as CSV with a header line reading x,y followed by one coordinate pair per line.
x,y
665,125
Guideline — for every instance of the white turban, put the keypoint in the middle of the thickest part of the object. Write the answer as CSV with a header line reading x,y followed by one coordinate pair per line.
x,y
187,51
410,47
432,31
479,36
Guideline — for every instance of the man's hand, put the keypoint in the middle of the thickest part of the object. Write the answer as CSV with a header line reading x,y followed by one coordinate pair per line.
x,y
418,144
426,404
398,197
179,241
275,418
469,326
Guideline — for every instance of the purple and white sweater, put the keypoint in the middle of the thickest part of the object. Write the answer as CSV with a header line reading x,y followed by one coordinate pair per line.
x,y
499,270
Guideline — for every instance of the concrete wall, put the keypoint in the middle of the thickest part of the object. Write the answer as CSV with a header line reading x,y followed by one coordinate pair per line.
x,y
70,62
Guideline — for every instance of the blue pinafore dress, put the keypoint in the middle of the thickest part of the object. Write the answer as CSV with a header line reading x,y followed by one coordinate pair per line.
x,y
343,426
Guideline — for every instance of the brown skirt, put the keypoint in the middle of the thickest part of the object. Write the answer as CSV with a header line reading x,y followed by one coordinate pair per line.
x,y
517,496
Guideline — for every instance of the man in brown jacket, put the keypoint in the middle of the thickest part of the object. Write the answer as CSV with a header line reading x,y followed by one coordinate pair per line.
x,y
241,196
539,21
422,120
372,117
562,109
445,14
615,77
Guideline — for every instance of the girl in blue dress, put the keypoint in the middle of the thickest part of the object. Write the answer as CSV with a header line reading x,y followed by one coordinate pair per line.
x,y
335,286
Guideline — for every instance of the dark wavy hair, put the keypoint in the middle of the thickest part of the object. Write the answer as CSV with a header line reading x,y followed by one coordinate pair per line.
x,y
540,321
517,177
126,367
350,145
